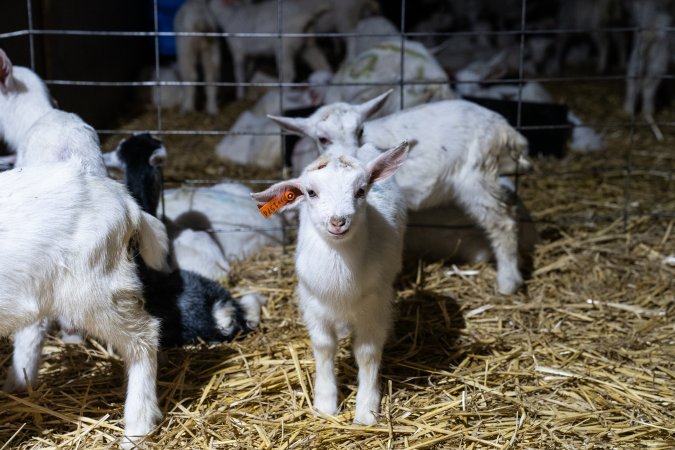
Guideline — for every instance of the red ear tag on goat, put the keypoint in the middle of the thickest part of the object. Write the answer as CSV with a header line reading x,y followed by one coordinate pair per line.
x,y
276,203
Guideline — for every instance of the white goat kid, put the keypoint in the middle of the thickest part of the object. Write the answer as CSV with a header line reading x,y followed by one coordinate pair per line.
x,y
66,254
458,151
38,132
349,252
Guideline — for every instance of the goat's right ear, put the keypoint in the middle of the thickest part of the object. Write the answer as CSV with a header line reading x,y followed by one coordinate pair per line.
x,y
6,78
387,163
158,157
297,125
372,106
279,190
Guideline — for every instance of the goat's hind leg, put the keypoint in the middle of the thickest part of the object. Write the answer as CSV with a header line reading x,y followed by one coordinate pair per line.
x,y
488,203
26,357
135,335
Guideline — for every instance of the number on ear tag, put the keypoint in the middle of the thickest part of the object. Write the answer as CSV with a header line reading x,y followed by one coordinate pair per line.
x,y
276,203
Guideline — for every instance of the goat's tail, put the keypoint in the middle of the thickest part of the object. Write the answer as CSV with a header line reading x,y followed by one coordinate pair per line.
x,y
153,242
514,150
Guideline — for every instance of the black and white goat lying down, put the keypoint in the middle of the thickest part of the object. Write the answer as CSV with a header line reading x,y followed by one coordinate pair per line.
x,y
190,306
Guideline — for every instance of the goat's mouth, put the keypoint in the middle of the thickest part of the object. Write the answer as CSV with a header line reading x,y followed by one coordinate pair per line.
x,y
338,233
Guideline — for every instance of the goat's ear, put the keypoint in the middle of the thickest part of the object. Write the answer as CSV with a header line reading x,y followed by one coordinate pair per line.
x,y
387,163
372,106
297,125
158,157
112,160
6,78
278,190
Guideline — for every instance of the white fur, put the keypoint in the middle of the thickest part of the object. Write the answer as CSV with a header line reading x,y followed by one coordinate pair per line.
x,y
458,150
584,138
368,30
252,304
66,240
195,16
38,132
235,227
650,56
198,251
245,17
348,254
380,65
255,141
448,233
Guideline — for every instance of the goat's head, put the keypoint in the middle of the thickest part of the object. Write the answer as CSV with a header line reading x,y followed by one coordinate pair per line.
x,y
336,128
334,190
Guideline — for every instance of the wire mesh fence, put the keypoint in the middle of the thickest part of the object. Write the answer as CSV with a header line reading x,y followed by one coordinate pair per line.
x,y
636,158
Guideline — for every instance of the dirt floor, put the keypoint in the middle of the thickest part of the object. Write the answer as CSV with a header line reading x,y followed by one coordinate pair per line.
x,y
582,358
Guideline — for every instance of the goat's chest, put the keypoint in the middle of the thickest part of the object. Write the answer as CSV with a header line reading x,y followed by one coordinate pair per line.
x,y
331,276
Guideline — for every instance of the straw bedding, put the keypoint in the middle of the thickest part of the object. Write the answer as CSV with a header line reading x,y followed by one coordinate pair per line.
x,y
583,358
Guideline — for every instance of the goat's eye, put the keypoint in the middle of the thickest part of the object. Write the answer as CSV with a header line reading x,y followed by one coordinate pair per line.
x,y
359,133
324,141
360,193
311,193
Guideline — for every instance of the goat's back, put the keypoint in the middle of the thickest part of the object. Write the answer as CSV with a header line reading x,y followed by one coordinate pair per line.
x,y
60,136
65,237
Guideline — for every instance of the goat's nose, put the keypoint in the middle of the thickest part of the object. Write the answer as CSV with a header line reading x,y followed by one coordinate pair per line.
x,y
338,221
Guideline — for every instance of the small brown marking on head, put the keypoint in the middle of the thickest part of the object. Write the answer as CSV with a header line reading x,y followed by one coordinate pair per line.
x,y
345,162
318,164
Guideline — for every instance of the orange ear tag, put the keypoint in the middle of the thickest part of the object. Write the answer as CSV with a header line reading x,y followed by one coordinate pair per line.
x,y
276,203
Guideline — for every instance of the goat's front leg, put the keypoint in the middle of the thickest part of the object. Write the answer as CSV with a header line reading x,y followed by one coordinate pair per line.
x,y
369,338
324,346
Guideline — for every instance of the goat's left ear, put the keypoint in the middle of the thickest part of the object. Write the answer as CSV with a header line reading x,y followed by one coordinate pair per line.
x,y
158,157
386,165
6,78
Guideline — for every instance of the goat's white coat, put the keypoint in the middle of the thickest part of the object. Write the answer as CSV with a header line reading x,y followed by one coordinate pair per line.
x,y
650,56
368,27
198,251
584,138
245,17
191,51
257,141
381,64
222,217
65,239
458,149
40,133
345,284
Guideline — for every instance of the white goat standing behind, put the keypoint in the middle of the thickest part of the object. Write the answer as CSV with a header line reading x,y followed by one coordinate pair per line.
x,y
65,240
299,16
649,58
458,150
195,16
349,252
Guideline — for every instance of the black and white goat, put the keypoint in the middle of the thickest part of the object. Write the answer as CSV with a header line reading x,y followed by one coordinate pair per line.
x,y
190,306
